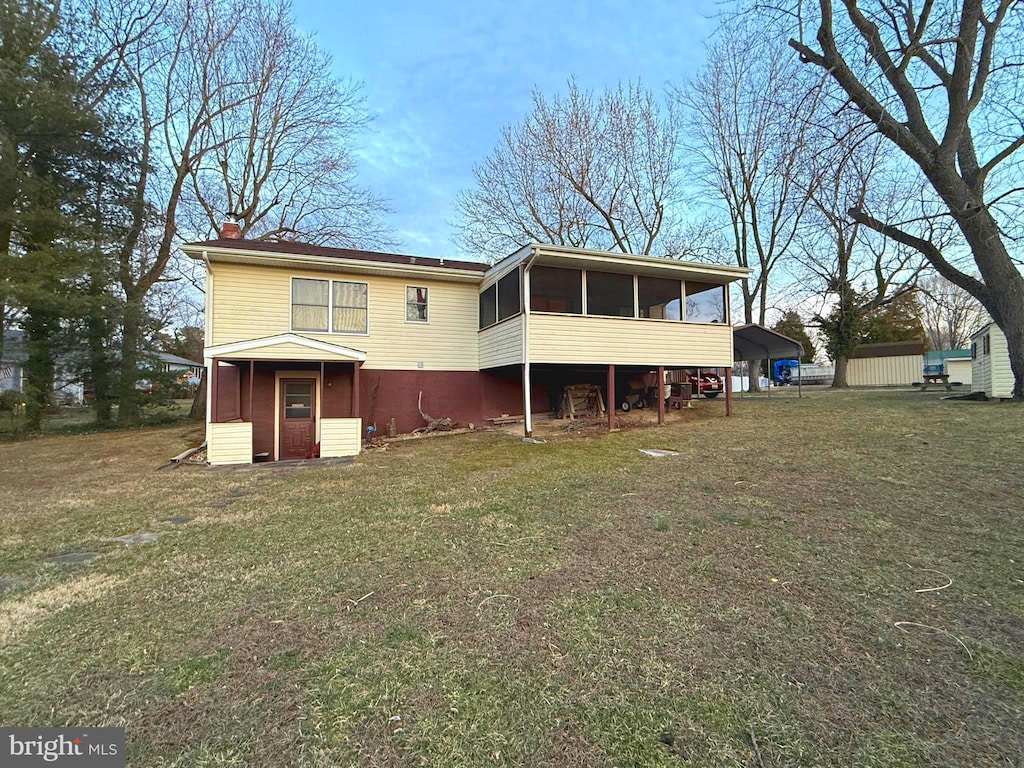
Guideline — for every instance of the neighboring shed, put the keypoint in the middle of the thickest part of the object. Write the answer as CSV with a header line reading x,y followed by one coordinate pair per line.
x,y
956,363
990,368
889,364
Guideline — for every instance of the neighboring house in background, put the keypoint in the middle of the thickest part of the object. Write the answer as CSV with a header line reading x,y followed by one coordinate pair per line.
x,y
306,344
887,364
189,371
991,362
66,388
956,363
12,364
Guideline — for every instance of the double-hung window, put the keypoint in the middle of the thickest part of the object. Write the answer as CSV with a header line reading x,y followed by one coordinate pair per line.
x,y
329,306
415,304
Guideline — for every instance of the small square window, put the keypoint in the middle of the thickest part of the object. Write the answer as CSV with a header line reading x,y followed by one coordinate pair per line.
x,y
415,304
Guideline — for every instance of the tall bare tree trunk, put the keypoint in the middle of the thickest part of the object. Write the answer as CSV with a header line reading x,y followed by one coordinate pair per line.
x,y
129,411
198,410
839,381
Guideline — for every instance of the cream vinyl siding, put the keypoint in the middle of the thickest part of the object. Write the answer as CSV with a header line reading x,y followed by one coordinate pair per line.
x,y
252,302
340,437
229,442
502,344
896,371
1002,374
981,370
992,373
959,370
627,341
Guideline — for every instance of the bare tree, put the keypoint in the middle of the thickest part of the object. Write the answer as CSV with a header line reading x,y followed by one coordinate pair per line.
x,y
856,270
580,170
282,161
750,113
949,313
941,81
225,86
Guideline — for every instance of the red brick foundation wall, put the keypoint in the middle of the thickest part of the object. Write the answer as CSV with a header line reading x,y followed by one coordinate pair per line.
x,y
465,396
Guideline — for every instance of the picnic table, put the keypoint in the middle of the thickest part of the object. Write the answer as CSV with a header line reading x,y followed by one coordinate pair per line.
x,y
936,379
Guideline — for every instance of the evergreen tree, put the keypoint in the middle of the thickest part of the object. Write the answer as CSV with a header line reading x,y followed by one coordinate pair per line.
x,y
790,324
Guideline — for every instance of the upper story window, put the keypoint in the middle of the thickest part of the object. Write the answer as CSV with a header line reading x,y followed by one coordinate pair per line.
x,y
415,304
329,306
310,305
610,293
509,303
705,302
974,350
660,298
553,289
501,300
350,307
986,345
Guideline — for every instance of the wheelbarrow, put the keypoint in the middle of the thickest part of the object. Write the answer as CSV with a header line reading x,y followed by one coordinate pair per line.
x,y
636,395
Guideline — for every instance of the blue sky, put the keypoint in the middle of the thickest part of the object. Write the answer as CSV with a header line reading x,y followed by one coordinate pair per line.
x,y
443,78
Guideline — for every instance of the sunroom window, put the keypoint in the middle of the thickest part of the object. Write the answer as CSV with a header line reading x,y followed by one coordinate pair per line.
x,y
508,296
610,294
705,303
553,289
489,306
660,298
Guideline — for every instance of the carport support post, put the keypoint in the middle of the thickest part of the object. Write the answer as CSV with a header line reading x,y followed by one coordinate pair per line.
x,y
252,371
661,394
611,398
728,391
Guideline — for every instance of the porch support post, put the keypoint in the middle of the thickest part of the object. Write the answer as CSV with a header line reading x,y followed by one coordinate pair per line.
x,y
728,391
215,380
611,398
527,401
252,371
355,389
661,394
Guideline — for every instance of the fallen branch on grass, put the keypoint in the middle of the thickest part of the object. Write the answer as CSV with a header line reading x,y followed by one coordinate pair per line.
x,y
355,603
901,624
757,749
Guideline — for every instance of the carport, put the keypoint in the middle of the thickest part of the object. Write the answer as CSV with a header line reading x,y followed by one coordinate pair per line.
x,y
753,342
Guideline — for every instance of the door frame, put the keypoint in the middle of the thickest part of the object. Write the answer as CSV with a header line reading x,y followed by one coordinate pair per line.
x,y
278,375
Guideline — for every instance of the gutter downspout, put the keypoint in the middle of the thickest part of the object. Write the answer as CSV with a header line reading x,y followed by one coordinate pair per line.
x,y
208,337
527,383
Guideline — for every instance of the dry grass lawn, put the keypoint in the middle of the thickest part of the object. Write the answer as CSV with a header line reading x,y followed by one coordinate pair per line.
x,y
473,600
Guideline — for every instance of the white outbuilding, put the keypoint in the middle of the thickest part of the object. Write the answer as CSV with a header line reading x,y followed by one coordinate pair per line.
x,y
990,362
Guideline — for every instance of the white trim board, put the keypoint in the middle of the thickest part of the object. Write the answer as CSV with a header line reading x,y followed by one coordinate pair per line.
x,y
285,338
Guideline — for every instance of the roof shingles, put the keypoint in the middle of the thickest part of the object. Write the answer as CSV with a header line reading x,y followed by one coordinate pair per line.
x,y
306,249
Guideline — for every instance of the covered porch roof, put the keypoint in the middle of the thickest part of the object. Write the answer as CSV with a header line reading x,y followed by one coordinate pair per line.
x,y
755,342
286,346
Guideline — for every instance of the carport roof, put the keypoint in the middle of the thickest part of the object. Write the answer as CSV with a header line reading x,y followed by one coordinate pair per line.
x,y
755,342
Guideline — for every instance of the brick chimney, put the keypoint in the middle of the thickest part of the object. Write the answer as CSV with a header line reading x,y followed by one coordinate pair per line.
x,y
230,230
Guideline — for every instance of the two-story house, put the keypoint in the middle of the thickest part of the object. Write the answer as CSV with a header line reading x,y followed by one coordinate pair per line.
x,y
305,344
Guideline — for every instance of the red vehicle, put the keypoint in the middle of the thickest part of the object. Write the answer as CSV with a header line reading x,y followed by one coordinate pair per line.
x,y
710,384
